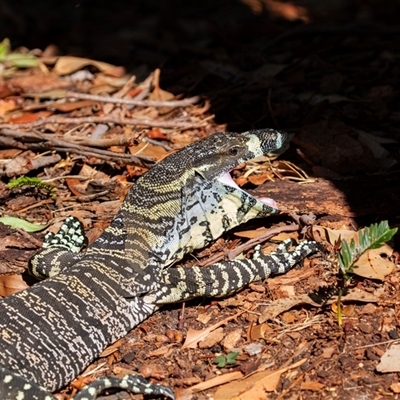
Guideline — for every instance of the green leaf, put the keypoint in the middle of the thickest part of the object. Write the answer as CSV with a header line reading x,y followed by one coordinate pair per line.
x,y
231,357
372,237
18,60
21,60
4,48
18,223
220,361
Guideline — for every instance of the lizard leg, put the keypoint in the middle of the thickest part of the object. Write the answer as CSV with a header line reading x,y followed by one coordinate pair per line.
x,y
14,386
60,250
131,383
224,278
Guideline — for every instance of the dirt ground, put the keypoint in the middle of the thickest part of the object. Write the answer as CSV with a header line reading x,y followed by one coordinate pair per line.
x,y
326,72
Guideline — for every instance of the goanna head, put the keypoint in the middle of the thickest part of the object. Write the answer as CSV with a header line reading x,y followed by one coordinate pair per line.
x,y
208,162
212,159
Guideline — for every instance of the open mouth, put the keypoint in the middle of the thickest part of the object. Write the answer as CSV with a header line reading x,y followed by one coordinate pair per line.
x,y
227,180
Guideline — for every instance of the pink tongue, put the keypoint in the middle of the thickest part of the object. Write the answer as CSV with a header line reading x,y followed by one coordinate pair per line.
x,y
267,201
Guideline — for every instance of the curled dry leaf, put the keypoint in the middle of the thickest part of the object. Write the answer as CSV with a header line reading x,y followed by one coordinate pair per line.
x,y
259,332
346,310
69,64
10,284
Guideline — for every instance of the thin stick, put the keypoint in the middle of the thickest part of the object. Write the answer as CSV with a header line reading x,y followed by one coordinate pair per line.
x,y
145,103
115,119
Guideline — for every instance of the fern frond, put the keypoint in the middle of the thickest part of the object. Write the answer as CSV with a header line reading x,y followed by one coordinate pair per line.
x,y
369,238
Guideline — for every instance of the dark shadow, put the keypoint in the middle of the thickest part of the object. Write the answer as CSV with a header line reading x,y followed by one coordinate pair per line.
x,y
258,65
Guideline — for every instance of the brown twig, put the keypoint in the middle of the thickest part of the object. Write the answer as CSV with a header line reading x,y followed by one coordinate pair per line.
x,y
44,141
134,102
232,254
56,119
123,140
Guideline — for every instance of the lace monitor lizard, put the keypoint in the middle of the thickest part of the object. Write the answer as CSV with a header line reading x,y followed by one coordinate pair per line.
x,y
50,332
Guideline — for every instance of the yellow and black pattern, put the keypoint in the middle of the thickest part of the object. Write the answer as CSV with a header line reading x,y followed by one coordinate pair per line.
x,y
50,332
225,278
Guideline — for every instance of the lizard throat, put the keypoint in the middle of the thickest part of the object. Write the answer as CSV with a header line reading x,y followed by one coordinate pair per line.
x,y
227,180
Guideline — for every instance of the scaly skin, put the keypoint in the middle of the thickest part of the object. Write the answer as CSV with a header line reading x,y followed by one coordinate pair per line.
x,y
50,332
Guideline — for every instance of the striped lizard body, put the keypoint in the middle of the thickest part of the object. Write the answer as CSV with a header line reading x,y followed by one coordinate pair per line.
x,y
50,332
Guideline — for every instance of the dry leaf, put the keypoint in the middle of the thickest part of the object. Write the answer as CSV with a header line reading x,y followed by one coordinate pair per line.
x,y
347,310
193,336
332,236
251,234
259,332
279,306
395,387
68,64
375,264
328,352
10,284
70,105
231,339
75,184
7,105
159,94
164,351
204,317
111,349
213,338
149,150
257,392
218,380
312,385
288,318
241,181
253,385
390,361
9,153
156,133
29,117
260,179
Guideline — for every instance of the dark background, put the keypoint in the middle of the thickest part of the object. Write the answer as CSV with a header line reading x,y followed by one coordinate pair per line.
x,y
182,37
338,71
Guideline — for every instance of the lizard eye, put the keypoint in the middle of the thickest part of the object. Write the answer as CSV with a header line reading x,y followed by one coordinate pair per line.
x,y
234,151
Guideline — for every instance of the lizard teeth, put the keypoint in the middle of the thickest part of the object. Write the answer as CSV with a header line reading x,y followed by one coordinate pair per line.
x,y
227,180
